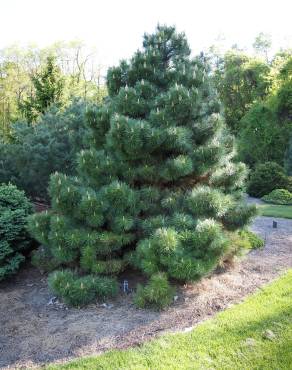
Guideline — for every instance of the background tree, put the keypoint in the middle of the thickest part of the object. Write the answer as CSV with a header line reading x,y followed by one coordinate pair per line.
x,y
288,158
241,80
266,127
35,152
14,82
158,187
263,138
80,70
262,44
48,89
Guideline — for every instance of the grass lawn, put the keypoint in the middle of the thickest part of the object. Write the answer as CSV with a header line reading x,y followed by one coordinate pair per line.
x,y
272,210
234,339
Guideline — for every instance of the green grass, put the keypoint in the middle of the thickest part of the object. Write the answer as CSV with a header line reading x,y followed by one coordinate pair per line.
x,y
232,340
272,210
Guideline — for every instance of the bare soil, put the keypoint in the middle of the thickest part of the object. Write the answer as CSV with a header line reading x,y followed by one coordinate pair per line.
x,y
36,329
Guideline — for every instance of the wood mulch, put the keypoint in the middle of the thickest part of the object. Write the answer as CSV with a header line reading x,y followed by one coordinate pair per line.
x,y
37,329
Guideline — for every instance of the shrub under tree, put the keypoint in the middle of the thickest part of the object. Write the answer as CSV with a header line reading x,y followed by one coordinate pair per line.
x,y
158,188
157,294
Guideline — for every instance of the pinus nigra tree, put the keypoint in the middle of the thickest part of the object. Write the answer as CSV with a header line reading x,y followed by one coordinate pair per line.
x,y
158,188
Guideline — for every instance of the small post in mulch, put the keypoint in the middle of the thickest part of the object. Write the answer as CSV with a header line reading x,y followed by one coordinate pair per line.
x,y
275,224
125,286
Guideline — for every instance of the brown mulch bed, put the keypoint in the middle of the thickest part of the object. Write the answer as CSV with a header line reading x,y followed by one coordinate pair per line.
x,y
34,329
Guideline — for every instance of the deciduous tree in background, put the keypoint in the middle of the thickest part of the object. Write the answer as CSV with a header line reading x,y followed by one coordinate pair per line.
x,y
241,81
79,70
262,44
266,127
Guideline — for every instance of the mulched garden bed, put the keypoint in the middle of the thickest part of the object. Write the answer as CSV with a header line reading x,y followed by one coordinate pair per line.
x,y
36,328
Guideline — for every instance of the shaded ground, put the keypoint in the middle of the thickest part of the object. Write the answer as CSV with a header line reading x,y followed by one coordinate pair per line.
x,y
35,330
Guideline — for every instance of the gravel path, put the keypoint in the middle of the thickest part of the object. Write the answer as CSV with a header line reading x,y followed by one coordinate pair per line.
x,y
36,330
253,200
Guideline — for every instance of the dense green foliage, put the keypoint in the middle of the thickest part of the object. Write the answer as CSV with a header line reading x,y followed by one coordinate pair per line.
x,y
241,80
79,291
156,294
266,178
158,187
278,196
14,240
264,137
283,103
256,96
240,243
235,339
35,152
266,127
254,240
288,158
48,89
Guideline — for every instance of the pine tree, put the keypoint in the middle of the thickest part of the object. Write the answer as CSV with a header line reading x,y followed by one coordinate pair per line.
x,y
158,188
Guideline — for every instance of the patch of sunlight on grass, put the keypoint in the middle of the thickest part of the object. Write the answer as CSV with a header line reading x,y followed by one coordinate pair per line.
x,y
272,210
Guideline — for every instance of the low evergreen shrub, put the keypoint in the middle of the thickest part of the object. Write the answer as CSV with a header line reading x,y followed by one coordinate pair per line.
x,y
78,291
239,243
239,216
14,240
157,294
278,196
254,240
265,178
